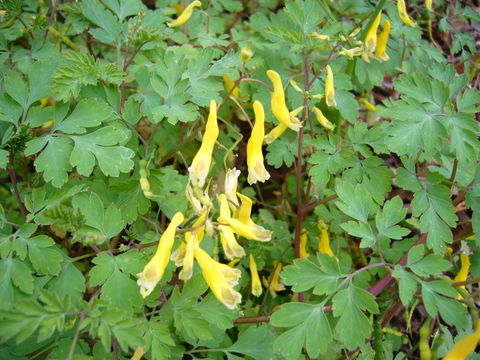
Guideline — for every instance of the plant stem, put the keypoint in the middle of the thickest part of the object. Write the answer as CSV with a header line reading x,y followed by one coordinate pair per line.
x,y
14,181
75,338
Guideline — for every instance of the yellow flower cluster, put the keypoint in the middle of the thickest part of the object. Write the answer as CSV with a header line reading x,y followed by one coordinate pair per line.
x,y
234,219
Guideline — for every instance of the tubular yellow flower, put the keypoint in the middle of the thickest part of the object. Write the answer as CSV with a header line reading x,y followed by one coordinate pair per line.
x,y
463,348
318,36
243,225
138,354
275,283
371,38
246,53
324,243
329,88
463,272
275,133
351,53
233,263
229,85
368,105
402,13
294,84
279,108
278,130
428,5
381,50
187,261
230,246
152,272
185,15
178,8
303,244
256,168
220,278
179,255
231,183
322,119
198,171
256,284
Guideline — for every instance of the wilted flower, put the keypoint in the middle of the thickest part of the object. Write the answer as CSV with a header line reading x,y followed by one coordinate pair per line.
x,y
231,183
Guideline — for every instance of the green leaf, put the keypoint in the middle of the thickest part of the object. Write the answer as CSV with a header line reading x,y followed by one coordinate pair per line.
x,y
463,130
361,230
54,159
355,201
158,334
309,328
407,284
281,152
110,27
13,272
99,146
347,105
114,273
392,213
16,88
88,113
321,273
353,325
452,311
255,342
430,265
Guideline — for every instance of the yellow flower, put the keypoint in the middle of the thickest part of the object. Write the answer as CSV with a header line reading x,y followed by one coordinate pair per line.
x,y
297,88
278,130
318,36
275,283
246,53
187,260
463,272
179,256
329,88
402,13
368,105
198,171
220,278
231,183
275,133
303,244
279,108
381,50
230,246
243,225
139,352
322,119
178,8
371,38
152,272
351,53
256,168
185,15
324,243
229,85
463,348
428,5
256,285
